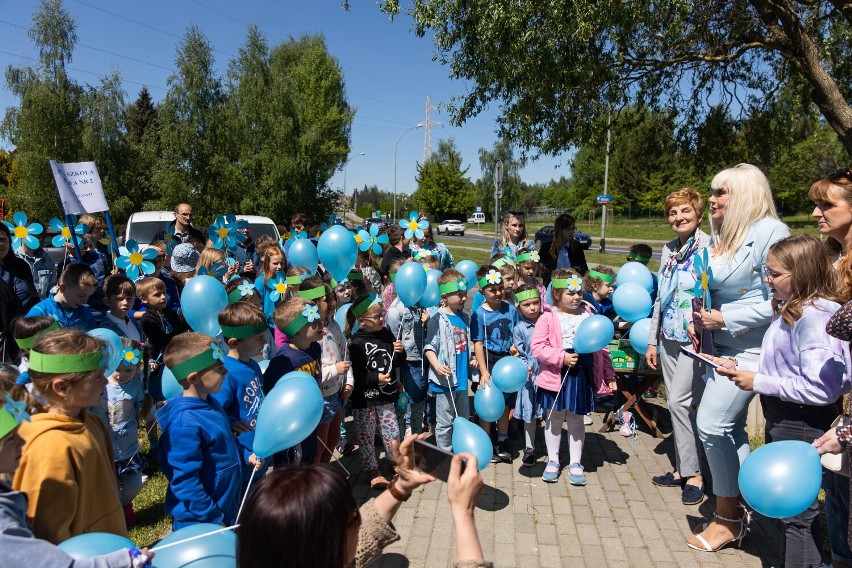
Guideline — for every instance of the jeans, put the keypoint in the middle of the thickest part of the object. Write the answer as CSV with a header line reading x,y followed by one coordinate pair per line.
x,y
415,386
684,387
445,413
837,515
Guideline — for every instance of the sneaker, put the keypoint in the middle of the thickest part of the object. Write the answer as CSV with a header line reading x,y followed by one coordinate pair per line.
x,y
551,472
407,432
495,457
529,457
504,451
650,393
576,478
587,420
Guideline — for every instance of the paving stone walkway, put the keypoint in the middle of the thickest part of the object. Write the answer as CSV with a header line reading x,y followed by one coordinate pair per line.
x,y
619,519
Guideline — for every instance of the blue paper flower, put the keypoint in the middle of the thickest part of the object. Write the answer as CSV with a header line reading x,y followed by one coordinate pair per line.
x,y
332,221
224,232
217,352
461,283
311,313
130,356
17,409
701,266
403,400
277,286
22,232
372,239
246,289
170,240
64,235
135,262
413,226
217,270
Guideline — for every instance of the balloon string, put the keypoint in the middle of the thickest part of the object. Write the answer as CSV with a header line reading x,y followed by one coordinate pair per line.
x,y
452,398
171,544
399,331
147,433
248,487
562,384
337,460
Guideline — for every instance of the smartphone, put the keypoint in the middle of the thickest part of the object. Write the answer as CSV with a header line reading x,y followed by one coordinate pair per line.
x,y
431,459
700,357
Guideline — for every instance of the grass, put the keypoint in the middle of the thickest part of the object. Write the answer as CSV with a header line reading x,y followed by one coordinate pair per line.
x,y
152,522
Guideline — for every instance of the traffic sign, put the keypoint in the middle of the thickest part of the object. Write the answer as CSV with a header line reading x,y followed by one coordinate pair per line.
x,y
478,208
604,199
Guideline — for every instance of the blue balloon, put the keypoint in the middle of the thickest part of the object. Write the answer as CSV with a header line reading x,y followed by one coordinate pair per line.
x,y
202,299
303,253
470,438
631,301
432,295
548,296
170,385
489,403
640,335
593,334
468,268
636,273
87,545
215,551
410,283
338,251
263,365
288,415
510,374
114,347
781,479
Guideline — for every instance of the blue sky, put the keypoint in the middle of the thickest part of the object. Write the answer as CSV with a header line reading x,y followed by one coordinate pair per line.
x,y
388,70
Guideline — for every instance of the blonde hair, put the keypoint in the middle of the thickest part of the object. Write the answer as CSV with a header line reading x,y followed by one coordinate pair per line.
x,y
69,341
286,311
750,200
146,286
505,239
210,256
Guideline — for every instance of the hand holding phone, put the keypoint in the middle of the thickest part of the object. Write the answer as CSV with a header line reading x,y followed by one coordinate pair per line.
x,y
700,357
432,460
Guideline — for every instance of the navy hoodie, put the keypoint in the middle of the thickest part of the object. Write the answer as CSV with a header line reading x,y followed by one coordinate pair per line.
x,y
200,458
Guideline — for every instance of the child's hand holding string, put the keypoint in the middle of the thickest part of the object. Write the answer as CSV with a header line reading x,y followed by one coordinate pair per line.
x,y
238,428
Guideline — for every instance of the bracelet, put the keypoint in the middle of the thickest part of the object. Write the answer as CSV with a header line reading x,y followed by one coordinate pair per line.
x,y
844,433
397,493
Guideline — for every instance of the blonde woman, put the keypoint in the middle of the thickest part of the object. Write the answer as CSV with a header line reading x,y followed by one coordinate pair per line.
x,y
744,225
513,235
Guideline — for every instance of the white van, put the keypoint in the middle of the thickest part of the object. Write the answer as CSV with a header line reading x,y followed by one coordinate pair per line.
x,y
477,218
142,226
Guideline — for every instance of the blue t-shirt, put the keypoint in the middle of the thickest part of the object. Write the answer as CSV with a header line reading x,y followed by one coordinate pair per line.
x,y
124,402
240,397
497,324
462,356
478,299
290,359
80,316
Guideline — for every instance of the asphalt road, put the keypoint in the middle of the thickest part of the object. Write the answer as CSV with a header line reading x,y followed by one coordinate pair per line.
x,y
612,248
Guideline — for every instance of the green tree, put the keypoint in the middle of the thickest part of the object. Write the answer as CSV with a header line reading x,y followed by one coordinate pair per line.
x,y
512,186
142,117
143,154
442,185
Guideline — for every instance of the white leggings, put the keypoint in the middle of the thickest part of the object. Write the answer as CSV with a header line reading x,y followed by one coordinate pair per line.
x,y
553,434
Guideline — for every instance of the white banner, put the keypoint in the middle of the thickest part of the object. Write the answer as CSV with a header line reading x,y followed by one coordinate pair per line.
x,y
79,187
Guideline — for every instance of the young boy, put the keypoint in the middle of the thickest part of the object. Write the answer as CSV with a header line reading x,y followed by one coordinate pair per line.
x,y
172,293
244,329
299,319
198,453
447,349
119,295
506,266
598,286
491,328
408,323
68,306
526,407
159,326
41,265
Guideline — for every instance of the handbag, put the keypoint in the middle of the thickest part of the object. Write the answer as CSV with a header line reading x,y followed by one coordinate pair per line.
x,y
838,463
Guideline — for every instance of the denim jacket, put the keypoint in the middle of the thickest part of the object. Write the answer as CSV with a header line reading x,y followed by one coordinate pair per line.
x,y
411,333
439,338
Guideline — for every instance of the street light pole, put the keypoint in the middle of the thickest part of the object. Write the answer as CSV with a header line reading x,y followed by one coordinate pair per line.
x,y
418,125
346,165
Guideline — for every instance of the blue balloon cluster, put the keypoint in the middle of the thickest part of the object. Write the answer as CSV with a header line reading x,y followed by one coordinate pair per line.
x,y
509,374
640,334
593,334
781,479
201,300
288,415
432,294
215,551
631,301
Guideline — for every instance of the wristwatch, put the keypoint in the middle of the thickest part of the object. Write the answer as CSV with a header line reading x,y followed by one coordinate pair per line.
x,y
398,494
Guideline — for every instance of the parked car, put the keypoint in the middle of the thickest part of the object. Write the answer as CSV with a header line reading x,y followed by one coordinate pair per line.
x,y
143,225
545,235
477,219
451,227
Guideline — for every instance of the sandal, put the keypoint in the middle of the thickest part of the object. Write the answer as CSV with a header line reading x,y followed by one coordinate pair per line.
x,y
737,539
551,472
692,494
746,518
668,480
576,478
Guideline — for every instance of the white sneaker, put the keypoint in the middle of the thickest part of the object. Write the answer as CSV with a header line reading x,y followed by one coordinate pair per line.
x,y
587,420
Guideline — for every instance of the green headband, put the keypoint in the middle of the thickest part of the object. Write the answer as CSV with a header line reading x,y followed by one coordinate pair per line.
x,y
294,280
493,277
459,285
313,293
197,363
502,261
242,331
355,276
525,256
61,364
12,413
601,276
639,257
574,284
309,315
393,277
365,305
527,295
27,342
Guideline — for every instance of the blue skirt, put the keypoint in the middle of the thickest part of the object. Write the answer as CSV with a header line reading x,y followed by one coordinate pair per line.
x,y
576,394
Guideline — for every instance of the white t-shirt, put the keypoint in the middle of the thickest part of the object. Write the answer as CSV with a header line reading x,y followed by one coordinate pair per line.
x,y
569,324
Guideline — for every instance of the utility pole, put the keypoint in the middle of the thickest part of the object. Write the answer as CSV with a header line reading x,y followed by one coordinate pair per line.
x,y
498,193
606,182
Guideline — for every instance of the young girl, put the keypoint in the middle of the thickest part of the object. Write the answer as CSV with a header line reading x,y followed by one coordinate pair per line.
x,y
565,378
367,265
389,293
375,355
526,268
212,256
273,263
526,405
25,332
67,466
802,370
598,285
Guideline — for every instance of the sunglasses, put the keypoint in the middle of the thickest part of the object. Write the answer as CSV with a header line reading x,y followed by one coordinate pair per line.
x,y
844,173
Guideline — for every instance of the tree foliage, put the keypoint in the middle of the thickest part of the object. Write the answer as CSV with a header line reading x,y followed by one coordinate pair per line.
x,y
442,186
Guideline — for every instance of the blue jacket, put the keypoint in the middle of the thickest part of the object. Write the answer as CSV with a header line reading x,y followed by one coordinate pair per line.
x,y
81,316
199,457
43,269
240,397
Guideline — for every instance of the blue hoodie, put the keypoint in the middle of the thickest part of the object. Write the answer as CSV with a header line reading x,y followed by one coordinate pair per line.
x,y
200,458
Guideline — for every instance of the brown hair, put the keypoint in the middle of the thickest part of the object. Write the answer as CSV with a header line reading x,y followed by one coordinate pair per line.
x,y
262,243
242,313
562,221
79,275
590,283
149,285
556,293
253,299
91,220
833,190
269,253
69,341
23,328
350,315
185,346
210,256
286,311
119,285
9,384
812,275
316,282
395,234
450,275
301,219
685,196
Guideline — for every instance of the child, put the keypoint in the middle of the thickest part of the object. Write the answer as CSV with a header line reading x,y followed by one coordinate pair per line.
x,y
367,265
18,544
597,284
244,330
801,373
198,453
183,262
565,378
243,290
447,349
212,256
491,328
119,295
335,367
388,295
526,267
67,466
273,263
300,320
159,326
124,395
99,264
375,355
172,292
526,406
68,306
41,264
506,266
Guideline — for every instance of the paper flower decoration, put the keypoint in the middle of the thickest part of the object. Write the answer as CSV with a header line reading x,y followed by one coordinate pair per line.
x,y
64,235
493,277
223,233
170,240
24,232
217,352
217,270
461,283
332,221
130,356
534,256
277,286
575,284
311,313
701,266
413,226
403,400
246,289
372,240
135,262
18,409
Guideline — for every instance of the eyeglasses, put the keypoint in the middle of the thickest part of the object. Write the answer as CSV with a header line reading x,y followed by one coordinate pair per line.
x,y
772,274
844,173
376,317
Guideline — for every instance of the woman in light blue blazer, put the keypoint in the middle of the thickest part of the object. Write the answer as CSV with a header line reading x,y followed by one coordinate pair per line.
x,y
744,225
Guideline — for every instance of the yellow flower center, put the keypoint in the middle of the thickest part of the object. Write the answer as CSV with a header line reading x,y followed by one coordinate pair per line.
x,y
136,258
412,225
281,287
705,281
21,232
66,232
223,232
128,356
358,239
